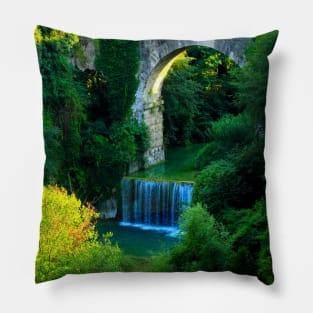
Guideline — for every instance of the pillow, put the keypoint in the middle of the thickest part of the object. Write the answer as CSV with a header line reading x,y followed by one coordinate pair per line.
x,y
154,155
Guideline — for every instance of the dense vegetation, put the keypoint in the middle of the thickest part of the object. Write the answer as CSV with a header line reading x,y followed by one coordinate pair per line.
x,y
196,92
226,105
91,138
68,240
90,135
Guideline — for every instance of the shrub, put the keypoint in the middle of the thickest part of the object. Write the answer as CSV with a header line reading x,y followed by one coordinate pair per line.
x,y
96,257
251,81
216,186
227,134
265,271
251,254
208,153
205,244
235,181
250,165
232,130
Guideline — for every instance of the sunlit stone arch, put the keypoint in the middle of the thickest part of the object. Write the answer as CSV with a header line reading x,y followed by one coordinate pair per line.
x,y
156,58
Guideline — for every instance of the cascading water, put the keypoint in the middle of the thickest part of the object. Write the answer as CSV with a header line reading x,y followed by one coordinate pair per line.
x,y
154,204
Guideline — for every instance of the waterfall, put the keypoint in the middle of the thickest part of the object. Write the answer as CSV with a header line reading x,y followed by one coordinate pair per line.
x,y
154,203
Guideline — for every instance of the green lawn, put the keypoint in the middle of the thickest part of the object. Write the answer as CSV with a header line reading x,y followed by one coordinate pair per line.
x,y
179,165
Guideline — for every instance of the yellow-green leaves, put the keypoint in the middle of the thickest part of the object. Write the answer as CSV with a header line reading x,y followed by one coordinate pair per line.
x,y
68,240
46,34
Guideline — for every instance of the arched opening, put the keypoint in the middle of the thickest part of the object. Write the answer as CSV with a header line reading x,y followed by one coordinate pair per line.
x,y
155,80
154,104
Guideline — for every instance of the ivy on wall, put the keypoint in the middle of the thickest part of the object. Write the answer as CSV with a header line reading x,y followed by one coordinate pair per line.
x,y
90,134
118,60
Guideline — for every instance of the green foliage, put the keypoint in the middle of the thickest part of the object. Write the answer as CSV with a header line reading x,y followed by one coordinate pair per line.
x,y
130,139
232,183
196,92
205,244
107,153
64,102
251,81
179,165
228,133
251,253
180,93
217,186
90,138
68,240
53,148
131,263
118,60
265,271
64,40
97,257
249,162
162,263
218,91
231,131
237,180
210,152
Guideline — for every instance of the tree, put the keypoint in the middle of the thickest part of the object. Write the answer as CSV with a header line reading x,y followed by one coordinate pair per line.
x,y
68,240
205,244
90,137
118,60
251,254
216,186
196,91
180,93
64,103
251,81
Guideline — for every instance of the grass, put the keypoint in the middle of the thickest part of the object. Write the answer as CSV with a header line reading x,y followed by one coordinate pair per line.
x,y
179,165
132,263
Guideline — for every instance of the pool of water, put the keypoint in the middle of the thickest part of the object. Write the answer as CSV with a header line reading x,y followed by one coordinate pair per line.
x,y
139,240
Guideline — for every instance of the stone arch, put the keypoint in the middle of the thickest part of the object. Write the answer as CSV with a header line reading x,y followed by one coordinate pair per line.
x,y
156,58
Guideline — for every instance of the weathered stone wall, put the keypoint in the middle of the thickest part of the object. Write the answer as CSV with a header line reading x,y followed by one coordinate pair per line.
x,y
153,118
87,59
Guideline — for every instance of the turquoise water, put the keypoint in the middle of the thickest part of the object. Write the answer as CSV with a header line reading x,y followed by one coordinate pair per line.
x,y
139,241
136,236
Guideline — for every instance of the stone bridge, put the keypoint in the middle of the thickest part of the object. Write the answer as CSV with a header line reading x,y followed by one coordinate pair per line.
x,y
156,58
